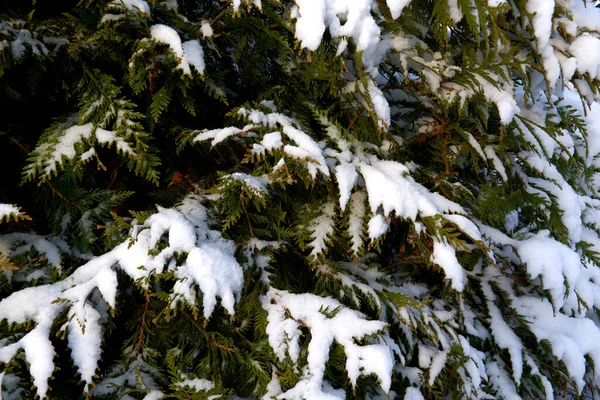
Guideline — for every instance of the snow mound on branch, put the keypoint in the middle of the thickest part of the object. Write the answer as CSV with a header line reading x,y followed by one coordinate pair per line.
x,y
209,264
135,6
321,228
51,248
305,146
187,53
444,255
7,210
344,19
328,321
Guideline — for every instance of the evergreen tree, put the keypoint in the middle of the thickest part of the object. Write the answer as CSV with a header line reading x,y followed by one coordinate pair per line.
x,y
309,199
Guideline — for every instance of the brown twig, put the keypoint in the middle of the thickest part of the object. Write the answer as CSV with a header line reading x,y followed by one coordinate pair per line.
x,y
385,9
58,193
247,216
352,122
153,75
114,178
47,181
15,141
208,339
143,323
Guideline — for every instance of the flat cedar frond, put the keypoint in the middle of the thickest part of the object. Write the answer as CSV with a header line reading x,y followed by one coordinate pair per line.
x,y
367,199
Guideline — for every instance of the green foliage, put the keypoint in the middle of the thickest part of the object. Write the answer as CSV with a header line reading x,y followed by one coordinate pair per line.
x,y
391,179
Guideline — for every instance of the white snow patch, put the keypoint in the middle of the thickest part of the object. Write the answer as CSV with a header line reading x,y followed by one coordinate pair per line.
x,y
444,255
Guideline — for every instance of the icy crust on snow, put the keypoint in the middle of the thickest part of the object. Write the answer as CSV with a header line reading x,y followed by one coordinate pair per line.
x,y
188,53
328,321
210,265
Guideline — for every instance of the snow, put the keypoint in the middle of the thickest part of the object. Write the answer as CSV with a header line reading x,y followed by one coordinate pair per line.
x,y
356,220
455,13
396,7
154,395
558,265
571,338
465,225
272,141
378,226
501,381
194,55
21,40
389,187
187,53
215,271
273,388
169,36
206,29
135,6
219,135
65,147
310,26
286,311
105,137
413,393
542,11
321,229
444,255
437,364
503,97
197,384
84,342
39,354
137,374
346,176
586,50
475,144
556,299
505,337
257,185
496,162
344,19
8,210
380,104
50,248
305,146
210,265
67,139
237,3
